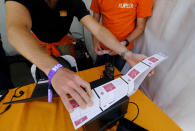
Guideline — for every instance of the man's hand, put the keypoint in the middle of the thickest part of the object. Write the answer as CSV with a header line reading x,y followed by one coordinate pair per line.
x,y
133,59
67,82
106,37
112,53
97,48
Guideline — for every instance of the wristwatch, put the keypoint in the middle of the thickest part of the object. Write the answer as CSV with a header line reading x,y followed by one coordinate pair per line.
x,y
127,42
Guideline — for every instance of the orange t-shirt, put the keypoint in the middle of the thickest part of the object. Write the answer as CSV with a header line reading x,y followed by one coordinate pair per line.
x,y
119,16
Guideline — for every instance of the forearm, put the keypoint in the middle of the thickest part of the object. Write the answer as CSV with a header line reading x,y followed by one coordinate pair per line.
x,y
135,34
28,46
95,41
97,18
139,29
102,34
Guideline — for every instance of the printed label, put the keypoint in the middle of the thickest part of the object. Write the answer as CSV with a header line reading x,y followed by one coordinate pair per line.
x,y
133,73
109,87
80,120
153,59
74,103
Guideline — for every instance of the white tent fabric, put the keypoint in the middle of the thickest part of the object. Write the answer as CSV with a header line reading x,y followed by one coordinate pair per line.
x,y
171,30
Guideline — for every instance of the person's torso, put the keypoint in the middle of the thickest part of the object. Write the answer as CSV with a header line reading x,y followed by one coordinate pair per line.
x,y
118,16
50,25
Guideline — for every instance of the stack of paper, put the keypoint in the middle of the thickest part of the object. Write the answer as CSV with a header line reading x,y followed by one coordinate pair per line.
x,y
107,94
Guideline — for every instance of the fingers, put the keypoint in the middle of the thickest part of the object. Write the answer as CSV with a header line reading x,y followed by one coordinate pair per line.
x,y
66,103
78,94
87,86
112,53
66,82
81,96
96,50
139,57
99,48
151,73
134,59
85,95
143,57
77,97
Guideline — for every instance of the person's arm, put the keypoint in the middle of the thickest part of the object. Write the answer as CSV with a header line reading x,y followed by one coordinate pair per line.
x,y
18,26
139,29
106,37
96,44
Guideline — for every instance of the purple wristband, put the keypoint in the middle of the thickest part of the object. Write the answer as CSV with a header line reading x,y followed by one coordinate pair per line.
x,y
53,71
50,75
50,95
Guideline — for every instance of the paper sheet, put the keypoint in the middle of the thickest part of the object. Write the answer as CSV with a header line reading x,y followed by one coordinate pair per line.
x,y
80,116
109,93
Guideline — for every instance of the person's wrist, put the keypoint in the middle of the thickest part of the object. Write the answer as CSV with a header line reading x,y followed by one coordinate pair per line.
x,y
128,55
129,58
125,54
46,66
53,71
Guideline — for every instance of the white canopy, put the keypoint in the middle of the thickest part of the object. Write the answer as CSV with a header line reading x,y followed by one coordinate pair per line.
x,y
171,30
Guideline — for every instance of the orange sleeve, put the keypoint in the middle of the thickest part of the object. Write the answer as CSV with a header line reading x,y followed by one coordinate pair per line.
x,y
95,6
144,8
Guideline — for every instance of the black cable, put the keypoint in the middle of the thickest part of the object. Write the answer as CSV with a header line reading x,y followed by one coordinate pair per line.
x,y
137,111
129,102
